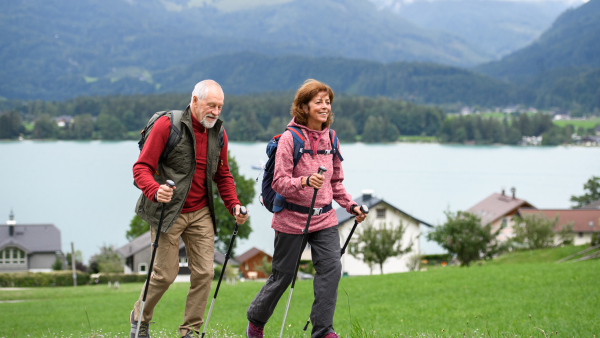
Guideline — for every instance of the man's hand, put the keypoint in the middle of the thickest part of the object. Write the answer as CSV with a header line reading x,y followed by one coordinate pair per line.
x,y
314,181
164,194
239,218
360,216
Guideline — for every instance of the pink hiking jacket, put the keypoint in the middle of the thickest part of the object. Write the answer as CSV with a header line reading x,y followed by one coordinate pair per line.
x,y
287,181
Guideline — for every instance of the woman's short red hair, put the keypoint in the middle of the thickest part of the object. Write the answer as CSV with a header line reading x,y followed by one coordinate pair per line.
x,y
309,89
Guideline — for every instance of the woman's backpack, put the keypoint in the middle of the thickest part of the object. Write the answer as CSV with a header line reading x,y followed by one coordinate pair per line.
x,y
272,200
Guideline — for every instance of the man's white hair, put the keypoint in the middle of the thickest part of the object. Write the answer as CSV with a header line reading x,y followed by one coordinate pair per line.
x,y
201,89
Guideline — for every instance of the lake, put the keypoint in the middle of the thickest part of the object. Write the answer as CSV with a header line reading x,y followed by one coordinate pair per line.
x,y
86,190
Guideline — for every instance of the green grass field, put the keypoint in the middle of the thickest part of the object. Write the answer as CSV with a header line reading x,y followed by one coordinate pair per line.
x,y
519,294
590,123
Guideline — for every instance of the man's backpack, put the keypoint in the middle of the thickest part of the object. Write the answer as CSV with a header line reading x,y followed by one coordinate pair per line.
x,y
272,200
174,133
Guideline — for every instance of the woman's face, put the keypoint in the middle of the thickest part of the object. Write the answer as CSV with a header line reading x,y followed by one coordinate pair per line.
x,y
319,109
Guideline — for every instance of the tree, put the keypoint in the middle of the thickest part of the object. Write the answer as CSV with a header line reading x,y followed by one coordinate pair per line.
x,y
57,265
375,245
225,222
593,193
107,260
534,231
11,125
137,227
110,127
44,127
345,129
78,261
83,127
464,236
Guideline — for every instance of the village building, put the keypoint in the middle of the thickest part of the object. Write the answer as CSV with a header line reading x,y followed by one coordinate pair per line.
x,y
138,252
251,262
499,210
584,221
593,205
380,213
29,247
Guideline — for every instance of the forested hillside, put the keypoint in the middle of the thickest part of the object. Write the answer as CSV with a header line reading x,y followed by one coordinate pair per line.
x,y
496,27
60,49
571,42
260,117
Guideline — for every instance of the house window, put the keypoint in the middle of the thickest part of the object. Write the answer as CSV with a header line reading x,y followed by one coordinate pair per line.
x,y
142,268
183,261
13,256
380,213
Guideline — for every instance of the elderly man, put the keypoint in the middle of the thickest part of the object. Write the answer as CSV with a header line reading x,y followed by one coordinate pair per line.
x,y
199,157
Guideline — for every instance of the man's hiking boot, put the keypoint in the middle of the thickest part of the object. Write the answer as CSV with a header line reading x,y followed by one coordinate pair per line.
x,y
331,335
254,331
144,328
190,334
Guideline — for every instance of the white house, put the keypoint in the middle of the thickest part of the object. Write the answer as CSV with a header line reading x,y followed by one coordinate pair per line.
x,y
380,212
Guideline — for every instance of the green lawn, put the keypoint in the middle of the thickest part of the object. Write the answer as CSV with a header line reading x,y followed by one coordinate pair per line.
x,y
491,299
590,123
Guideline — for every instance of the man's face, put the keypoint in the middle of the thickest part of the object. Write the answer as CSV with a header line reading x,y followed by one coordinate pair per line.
x,y
207,111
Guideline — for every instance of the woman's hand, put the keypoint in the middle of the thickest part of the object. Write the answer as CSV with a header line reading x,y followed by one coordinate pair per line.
x,y
314,181
360,216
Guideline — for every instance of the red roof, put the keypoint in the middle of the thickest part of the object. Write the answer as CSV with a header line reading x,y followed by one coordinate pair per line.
x,y
249,254
497,206
580,217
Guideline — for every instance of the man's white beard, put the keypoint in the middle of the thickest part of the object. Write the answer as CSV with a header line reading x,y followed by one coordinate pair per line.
x,y
207,124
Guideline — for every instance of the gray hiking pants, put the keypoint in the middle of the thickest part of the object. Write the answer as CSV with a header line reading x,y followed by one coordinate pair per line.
x,y
325,249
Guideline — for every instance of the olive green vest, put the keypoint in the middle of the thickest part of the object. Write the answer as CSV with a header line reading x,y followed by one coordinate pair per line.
x,y
180,167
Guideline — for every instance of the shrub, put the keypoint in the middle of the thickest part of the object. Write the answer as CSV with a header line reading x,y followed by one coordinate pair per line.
x,y
535,231
464,236
104,278
30,279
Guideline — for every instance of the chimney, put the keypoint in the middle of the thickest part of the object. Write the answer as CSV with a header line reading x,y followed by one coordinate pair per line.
x,y
514,192
367,194
11,223
503,192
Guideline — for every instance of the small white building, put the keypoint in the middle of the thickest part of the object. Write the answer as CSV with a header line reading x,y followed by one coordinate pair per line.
x,y
380,212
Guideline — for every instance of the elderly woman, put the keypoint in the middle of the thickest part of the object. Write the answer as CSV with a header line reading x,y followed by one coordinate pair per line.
x,y
311,111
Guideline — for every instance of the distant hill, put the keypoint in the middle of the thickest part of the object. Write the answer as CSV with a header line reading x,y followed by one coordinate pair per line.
x,y
571,42
51,49
563,66
244,73
495,27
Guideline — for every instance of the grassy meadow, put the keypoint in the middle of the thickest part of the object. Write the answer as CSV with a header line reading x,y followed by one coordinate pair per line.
x,y
521,294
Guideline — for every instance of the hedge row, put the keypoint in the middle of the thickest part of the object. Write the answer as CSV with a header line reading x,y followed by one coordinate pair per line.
x,y
29,279
119,277
63,278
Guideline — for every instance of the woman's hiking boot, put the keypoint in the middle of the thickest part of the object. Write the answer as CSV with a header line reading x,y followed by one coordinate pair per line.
x,y
331,335
253,331
144,328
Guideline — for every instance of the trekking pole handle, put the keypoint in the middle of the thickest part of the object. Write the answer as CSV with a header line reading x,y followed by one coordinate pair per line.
x,y
364,209
170,183
243,210
322,169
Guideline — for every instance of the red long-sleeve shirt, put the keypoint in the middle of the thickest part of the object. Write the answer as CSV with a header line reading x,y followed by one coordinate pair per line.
x,y
147,163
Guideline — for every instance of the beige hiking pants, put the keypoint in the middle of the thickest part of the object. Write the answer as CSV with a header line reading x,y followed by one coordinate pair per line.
x,y
196,230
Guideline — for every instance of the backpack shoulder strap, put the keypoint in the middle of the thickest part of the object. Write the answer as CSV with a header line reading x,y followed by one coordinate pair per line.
x,y
335,142
221,137
174,134
298,143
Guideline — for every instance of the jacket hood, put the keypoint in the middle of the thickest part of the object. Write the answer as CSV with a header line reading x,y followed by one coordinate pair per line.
x,y
294,124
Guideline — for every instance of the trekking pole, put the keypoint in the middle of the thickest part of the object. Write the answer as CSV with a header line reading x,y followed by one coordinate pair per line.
x,y
235,231
365,210
171,184
304,240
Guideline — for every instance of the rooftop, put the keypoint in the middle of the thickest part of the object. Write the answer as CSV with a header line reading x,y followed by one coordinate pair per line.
x,y
497,206
581,218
